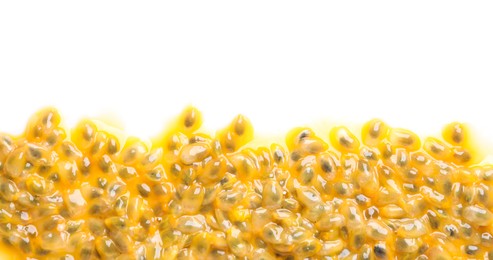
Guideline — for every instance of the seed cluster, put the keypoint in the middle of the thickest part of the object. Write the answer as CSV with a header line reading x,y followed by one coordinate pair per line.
x,y
90,194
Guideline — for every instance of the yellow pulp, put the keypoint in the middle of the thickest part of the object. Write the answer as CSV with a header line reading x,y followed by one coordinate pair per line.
x,y
91,194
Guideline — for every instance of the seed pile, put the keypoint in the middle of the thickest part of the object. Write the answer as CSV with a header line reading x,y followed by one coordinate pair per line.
x,y
89,194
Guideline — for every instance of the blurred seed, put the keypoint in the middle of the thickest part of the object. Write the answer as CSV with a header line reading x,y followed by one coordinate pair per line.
x,y
69,150
271,233
455,133
411,228
201,244
392,211
113,145
116,188
15,163
330,221
377,230
471,249
53,240
133,208
373,132
405,139
380,250
89,192
157,174
122,241
436,148
106,247
144,189
98,207
38,155
461,156
190,224
83,134
272,195
308,247
127,173
133,151
308,196
260,218
237,245
329,248
191,119
8,189
406,245
296,135
278,154
152,159
487,239
106,164
115,223
6,146
74,225
478,215
37,185
192,199
356,238
227,199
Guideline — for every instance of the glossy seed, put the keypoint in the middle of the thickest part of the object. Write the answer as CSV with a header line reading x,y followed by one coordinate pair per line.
x,y
192,199
272,195
144,189
15,163
194,153
308,196
190,224
106,247
373,132
478,215
343,140
411,228
8,189
377,230
455,133
308,247
271,233
437,148
392,211
405,139
38,185
238,246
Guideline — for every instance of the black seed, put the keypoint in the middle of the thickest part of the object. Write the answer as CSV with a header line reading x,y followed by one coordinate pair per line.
x,y
362,199
471,249
143,189
379,250
42,252
375,130
295,156
35,153
102,182
451,230
457,135
344,232
422,249
345,142
278,156
189,119
358,241
304,134
326,167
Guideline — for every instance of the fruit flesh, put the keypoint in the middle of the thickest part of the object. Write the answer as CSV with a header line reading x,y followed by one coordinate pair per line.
x,y
89,193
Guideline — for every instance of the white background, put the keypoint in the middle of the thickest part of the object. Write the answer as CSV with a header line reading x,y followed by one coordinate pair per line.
x,y
415,64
